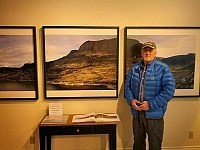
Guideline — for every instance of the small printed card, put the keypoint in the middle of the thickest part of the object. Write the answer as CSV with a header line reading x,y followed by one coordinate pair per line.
x,y
55,115
55,109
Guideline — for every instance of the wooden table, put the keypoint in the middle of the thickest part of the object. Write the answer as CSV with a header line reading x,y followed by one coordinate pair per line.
x,y
46,131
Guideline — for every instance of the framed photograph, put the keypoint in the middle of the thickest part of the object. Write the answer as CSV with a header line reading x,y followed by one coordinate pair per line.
x,y
80,61
179,47
18,65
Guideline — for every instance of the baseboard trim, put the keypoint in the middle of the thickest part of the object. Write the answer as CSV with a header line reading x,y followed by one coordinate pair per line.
x,y
171,148
182,148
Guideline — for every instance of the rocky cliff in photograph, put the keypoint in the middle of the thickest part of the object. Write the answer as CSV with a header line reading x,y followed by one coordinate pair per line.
x,y
92,66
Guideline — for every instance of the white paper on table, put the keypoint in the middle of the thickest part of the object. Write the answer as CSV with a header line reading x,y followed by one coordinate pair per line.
x,y
55,109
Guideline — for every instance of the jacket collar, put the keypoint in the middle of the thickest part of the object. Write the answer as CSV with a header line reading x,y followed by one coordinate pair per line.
x,y
149,64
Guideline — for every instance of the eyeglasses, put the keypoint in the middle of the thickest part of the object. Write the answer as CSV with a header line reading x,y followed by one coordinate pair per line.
x,y
148,50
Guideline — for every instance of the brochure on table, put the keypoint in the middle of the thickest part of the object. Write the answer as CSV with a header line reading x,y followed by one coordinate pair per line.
x,y
55,115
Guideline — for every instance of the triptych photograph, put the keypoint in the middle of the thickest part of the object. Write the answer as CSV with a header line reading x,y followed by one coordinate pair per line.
x,y
83,61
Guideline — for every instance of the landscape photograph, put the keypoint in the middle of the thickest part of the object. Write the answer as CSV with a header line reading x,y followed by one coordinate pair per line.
x,y
81,63
179,52
17,62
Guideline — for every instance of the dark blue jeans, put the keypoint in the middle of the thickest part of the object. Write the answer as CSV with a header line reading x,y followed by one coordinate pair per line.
x,y
153,128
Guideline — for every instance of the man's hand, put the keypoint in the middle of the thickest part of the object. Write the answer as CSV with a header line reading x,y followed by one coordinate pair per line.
x,y
135,104
144,105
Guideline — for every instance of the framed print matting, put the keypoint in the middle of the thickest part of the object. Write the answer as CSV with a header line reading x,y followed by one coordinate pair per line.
x,y
179,47
80,61
18,66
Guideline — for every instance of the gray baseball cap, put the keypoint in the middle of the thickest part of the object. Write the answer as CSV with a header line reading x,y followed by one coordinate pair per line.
x,y
149,44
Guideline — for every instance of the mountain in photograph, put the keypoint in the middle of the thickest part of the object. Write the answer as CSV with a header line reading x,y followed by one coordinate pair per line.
x,y
21,74
18,79
132,53
180,61
92,66
182,66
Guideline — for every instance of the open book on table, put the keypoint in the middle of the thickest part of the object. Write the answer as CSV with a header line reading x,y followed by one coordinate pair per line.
x,y
95,117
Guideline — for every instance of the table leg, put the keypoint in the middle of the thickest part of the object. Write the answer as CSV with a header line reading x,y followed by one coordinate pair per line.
x,y
48,142
42,140
112,138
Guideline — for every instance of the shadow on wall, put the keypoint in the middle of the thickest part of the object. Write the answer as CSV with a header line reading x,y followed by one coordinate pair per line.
x,y
125,125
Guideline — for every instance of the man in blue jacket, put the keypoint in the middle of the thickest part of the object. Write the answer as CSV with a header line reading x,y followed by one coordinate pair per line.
x,y
149,87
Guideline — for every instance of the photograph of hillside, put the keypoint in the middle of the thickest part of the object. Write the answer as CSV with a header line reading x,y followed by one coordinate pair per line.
x,y
17,67
177,51
182,66
81,62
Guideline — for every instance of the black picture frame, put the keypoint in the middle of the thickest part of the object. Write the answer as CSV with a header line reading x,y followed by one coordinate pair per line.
x,y
179,47
80,61
18,63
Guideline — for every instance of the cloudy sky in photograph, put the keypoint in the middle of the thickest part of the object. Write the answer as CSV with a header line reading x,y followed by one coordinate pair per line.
x,y
16,50
57,46
170,45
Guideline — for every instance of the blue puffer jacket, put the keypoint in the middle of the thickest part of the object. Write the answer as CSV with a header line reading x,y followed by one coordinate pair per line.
x,y
159,87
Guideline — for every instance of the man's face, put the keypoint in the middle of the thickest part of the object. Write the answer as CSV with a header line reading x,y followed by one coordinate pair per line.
x,y
148,54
